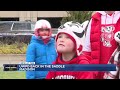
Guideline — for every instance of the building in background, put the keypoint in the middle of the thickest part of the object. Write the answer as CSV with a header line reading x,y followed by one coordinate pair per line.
x,y
54,17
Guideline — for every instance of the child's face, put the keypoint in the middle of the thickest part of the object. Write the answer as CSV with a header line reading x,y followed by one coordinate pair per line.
x,y
43,32
65,44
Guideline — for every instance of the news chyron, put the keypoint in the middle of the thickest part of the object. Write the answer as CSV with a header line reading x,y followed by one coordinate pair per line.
x,y
14,67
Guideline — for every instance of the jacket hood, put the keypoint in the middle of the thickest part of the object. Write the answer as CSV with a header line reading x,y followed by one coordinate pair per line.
x,y
44,24
73,61
107,19
103,12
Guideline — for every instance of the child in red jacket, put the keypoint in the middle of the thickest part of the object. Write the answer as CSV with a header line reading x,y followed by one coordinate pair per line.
x,y
68,44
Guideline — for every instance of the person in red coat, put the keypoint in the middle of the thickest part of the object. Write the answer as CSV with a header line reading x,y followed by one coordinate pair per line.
x,y
100,42
69,47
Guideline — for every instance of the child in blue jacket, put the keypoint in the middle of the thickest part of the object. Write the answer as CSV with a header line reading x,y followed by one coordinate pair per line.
x,y
41,49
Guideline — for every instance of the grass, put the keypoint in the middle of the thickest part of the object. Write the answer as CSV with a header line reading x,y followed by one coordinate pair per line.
x,y
16,48
11,74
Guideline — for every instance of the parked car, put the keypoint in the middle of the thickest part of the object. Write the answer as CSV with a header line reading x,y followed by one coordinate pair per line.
x,y
17,31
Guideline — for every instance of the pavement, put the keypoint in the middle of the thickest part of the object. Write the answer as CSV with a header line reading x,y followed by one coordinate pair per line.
x,y
11,59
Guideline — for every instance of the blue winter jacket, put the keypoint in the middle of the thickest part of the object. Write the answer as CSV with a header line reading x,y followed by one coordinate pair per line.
x,y
40,53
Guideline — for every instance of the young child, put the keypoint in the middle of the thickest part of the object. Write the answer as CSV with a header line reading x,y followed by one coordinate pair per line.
x,y
68,43
41,49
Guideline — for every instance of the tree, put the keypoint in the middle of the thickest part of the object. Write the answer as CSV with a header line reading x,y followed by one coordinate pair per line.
x,y
79,16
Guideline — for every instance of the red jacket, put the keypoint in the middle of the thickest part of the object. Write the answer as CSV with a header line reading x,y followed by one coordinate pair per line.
x,y
95,38
99,53
71,74
95,35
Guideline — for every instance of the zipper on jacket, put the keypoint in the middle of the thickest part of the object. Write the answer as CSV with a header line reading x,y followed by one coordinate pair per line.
x,y
46,53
